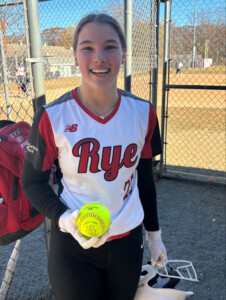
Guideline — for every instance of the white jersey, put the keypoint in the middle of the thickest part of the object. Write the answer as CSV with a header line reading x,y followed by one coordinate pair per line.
x,y
179,66
98,157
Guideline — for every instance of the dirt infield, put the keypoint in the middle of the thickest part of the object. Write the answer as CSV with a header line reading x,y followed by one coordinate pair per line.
x,y
140,87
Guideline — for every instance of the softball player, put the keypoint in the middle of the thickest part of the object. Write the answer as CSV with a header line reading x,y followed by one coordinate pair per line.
x,y
179,67
104,140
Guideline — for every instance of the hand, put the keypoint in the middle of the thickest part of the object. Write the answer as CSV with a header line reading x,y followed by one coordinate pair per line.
x,y
68,223
157,248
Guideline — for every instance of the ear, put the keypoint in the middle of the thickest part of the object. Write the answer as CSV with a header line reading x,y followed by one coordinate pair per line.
x,y
123,56
76,60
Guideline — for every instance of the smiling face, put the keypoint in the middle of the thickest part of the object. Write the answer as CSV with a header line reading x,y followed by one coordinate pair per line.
x,y
99,55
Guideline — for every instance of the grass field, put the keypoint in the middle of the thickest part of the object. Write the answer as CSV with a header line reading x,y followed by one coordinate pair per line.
x,y
196,118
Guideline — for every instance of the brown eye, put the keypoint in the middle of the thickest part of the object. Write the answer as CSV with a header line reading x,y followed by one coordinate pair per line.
x,y
110,47
87,48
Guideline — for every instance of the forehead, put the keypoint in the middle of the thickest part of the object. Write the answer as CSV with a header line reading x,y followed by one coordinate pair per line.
x,y
94,31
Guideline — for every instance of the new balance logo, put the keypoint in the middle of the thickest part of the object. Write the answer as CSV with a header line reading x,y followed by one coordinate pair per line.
x,y
71,128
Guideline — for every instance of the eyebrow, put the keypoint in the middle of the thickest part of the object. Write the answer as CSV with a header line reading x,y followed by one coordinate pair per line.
x,y
90,42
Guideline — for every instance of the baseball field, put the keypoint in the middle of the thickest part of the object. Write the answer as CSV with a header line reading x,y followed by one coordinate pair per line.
x,y
195,122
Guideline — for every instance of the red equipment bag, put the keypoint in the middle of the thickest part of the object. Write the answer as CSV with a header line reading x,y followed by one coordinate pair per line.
x,y
17,216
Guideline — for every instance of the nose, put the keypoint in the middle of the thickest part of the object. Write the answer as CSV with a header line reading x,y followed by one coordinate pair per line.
x,y
99,55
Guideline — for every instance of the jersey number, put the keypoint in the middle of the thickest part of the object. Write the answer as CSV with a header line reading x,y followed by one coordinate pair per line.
x,y
127,187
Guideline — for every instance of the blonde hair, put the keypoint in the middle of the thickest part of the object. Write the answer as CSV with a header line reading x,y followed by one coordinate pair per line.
x,y
99,18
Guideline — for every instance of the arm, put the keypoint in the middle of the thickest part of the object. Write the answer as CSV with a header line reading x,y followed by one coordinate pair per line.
x,y
38,191
146,184
39,157
147,192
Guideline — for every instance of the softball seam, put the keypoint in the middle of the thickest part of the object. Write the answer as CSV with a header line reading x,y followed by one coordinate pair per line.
x,y
94,216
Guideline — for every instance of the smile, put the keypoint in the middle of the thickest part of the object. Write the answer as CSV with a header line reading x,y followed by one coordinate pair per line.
x,y
104,71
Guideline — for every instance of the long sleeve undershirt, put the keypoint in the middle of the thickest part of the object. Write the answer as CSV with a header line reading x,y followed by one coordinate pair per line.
x,y
147,192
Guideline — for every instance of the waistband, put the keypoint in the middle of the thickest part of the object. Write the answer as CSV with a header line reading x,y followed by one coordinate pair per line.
x,y
119,236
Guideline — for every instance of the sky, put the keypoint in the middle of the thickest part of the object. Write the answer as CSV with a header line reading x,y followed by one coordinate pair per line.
x,y
65,13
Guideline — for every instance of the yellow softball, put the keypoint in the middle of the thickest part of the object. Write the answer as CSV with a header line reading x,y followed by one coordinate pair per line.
x,y
93,220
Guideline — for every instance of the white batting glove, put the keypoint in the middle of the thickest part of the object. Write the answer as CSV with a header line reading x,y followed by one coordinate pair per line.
x,y
68,223
101,240
157,248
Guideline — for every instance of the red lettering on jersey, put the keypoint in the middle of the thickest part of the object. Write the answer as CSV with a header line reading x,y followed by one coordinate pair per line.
x,y
130,152
84,149
87,150
112,167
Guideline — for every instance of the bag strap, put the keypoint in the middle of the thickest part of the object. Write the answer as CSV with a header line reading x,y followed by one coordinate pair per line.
x,y
4,123
15,187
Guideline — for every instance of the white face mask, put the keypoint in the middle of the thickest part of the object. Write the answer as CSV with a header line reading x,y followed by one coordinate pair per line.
x,y
153,282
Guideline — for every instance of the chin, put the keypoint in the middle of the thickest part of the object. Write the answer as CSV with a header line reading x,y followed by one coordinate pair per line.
x,y
104,85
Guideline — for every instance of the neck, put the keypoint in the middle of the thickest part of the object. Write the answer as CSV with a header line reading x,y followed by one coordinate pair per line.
x,y
99,97
98,102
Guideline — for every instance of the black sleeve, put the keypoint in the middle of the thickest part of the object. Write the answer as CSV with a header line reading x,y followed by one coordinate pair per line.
x,y
156,144
147,192
41,195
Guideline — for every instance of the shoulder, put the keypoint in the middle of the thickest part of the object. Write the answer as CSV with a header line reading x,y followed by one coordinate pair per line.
x,y
139,102
52,108
60,107
133,97
61,100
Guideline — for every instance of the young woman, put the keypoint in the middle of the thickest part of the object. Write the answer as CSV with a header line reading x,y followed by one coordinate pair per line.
x,y
104,140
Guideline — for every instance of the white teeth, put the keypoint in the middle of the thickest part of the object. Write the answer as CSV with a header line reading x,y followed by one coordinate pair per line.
x,y
100,71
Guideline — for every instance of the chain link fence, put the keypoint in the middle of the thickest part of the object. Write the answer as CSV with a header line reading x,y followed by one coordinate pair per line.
x,y
144,57
58,19
15,84
194,114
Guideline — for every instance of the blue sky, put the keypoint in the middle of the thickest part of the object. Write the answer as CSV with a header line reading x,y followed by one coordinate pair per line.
x,y
183,11
65,13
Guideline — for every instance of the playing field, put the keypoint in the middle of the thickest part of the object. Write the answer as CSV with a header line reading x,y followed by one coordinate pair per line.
x,y
195,122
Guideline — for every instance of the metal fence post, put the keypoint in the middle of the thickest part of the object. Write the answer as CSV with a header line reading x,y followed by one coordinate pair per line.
x,y
165,61
36,58
154,91
128,12
193,47
4,73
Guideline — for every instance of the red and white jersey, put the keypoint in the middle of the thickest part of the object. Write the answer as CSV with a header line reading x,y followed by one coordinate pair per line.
x,y
98,157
